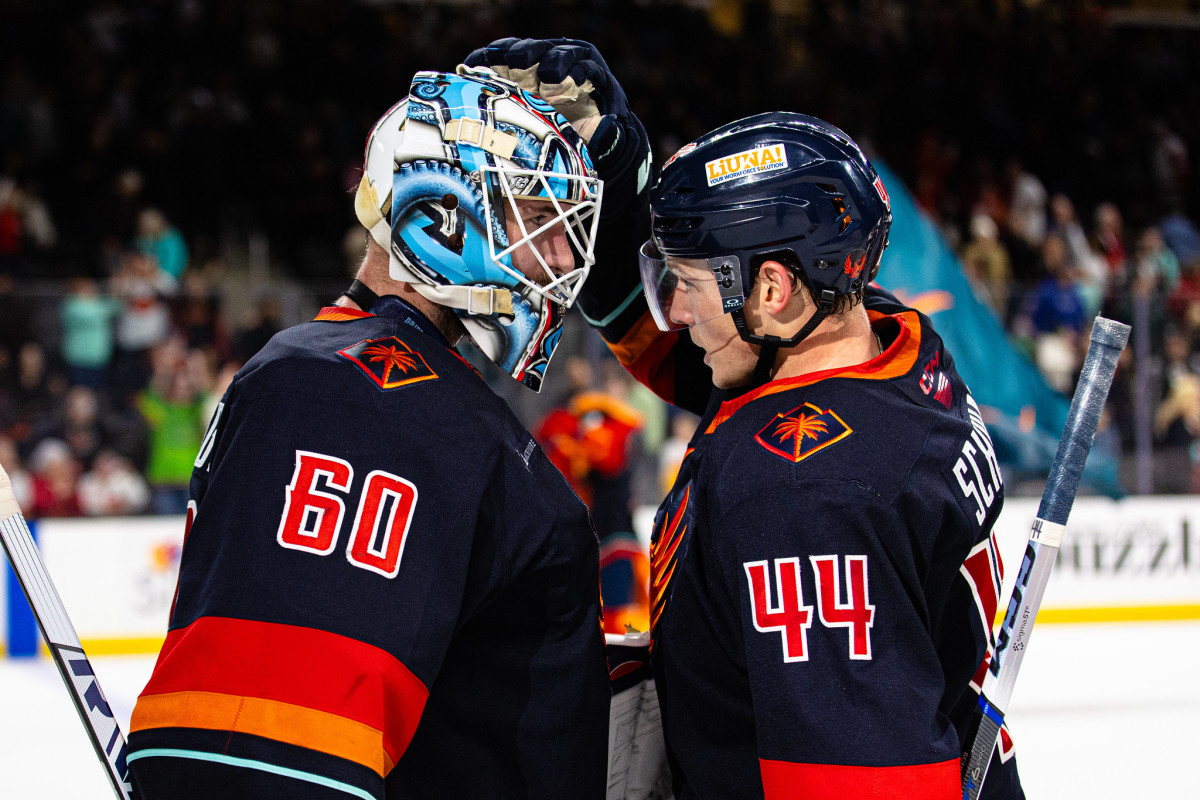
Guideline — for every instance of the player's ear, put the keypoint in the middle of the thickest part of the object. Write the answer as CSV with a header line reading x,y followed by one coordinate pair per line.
x,y
777,287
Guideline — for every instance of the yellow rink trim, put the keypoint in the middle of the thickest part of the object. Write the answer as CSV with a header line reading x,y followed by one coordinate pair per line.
x,y
134,645
150,645
1072,616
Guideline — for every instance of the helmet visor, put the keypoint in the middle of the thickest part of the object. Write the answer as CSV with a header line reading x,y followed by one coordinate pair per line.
x,y
686,292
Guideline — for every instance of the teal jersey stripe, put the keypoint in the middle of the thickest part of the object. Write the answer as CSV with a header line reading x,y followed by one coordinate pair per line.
x,y
249,764
600,323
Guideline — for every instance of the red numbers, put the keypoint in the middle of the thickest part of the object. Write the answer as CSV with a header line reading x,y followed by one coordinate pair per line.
x,y
857,615
312,516
314,508
382,556
786,613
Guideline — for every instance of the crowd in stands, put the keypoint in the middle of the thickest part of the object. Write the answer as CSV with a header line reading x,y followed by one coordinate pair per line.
x,y
143,144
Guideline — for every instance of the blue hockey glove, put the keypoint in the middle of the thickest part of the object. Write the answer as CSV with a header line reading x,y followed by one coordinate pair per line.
x,y
572,76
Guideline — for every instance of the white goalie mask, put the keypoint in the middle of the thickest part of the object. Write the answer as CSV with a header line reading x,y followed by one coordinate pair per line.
x,y
449,177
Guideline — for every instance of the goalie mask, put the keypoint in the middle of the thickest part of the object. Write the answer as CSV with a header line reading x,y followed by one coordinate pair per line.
x,y
450,177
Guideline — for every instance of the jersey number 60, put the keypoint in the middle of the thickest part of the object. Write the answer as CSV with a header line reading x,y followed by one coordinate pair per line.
x,y
314,508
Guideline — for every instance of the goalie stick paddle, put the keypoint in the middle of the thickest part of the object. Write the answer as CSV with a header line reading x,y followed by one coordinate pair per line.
x,y
65,649
1108,340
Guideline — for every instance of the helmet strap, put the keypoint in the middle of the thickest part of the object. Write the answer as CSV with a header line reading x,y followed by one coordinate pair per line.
x,y
768,345
361,294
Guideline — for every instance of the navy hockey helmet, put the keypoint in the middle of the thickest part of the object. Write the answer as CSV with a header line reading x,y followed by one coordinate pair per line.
x,y
768,183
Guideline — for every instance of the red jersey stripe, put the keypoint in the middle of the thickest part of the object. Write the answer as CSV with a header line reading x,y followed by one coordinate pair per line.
x,y
783,780
298,666
339,314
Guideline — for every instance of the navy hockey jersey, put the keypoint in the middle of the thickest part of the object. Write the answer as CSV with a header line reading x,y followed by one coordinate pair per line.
x,y
824,578
386,587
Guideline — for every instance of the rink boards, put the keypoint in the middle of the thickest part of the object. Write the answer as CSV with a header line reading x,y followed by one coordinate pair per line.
x,y
1130,560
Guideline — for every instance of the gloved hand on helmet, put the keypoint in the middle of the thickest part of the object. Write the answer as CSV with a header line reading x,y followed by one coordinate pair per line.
x,y
572,76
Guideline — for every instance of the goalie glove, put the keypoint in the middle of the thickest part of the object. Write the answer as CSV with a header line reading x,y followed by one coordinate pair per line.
x,y
572,76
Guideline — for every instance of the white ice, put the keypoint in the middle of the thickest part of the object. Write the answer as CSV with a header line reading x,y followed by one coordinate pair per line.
x,y
1099,711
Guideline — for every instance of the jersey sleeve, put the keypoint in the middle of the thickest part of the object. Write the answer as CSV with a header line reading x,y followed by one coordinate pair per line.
x,y
845,683
322,580
612,302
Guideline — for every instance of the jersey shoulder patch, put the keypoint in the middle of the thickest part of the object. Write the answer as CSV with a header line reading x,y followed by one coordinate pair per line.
x,y
802,432
389,362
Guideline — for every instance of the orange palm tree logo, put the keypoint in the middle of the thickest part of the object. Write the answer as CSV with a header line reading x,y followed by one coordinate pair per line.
x,y
799,428
392,358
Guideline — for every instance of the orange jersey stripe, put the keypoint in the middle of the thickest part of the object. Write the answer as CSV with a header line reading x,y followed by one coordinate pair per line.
x,y
896,360
645,351
783,780
283,722
297,666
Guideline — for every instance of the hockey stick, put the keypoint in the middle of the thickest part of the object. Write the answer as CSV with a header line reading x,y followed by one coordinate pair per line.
x,y
1108,340
65,649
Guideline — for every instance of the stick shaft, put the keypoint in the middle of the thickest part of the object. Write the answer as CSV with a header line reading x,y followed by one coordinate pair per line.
x,y
1083,418
65,649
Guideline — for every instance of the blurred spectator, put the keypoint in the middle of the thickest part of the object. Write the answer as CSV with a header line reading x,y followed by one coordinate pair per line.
x,y
173,408
12,229
145,319
1156,262
87,329
1181,236
112,487
1027,205
22,482
1110,240
40,230
161,241
591,441
558,431
986,263
15,329
1169,165
1177,420
34,392
55,476
1153,271
1184,302
136,133
116,217
259,325
220,383
76,423
198,315
1091,276
1057,317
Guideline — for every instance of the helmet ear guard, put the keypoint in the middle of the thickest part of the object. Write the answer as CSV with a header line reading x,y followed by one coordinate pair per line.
x,y
445,174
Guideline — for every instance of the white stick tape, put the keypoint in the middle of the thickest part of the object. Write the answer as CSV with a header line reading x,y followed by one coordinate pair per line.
x,y
1046,533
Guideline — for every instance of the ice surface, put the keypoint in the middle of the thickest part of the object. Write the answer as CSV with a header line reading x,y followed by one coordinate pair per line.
x,y
1099,711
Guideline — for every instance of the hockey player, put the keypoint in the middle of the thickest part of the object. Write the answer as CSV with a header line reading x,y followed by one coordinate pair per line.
x,y
823,574
386,589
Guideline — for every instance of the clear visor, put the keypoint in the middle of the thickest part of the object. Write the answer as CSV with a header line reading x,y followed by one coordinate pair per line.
x,y
575,204
686,292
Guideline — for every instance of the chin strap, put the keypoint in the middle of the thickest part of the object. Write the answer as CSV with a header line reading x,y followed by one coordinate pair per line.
x,y
475,300
362,295
768,345
471,299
